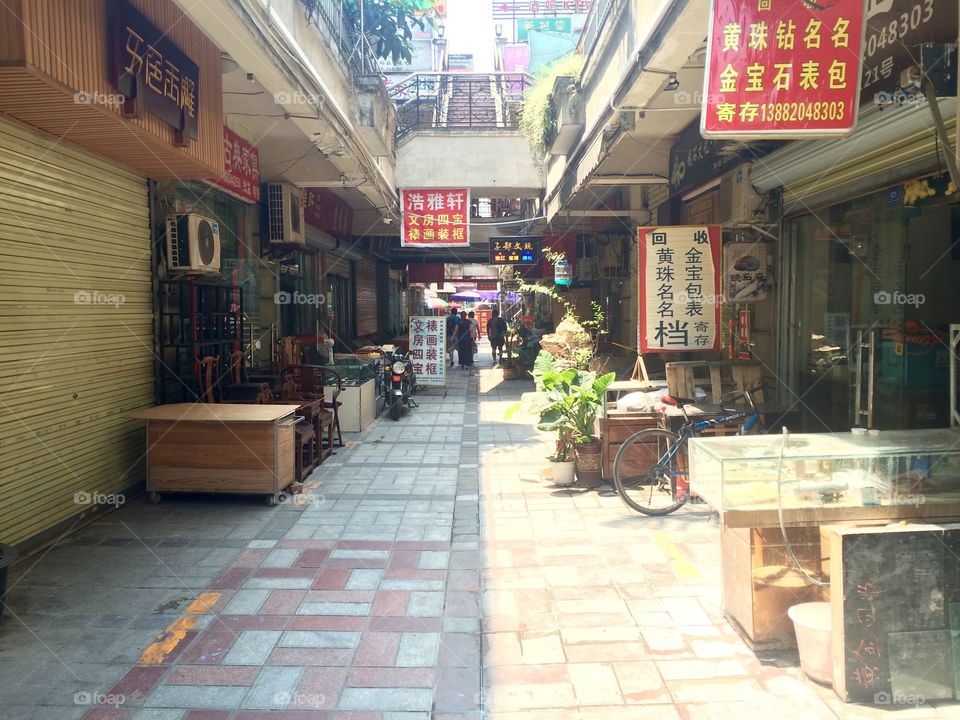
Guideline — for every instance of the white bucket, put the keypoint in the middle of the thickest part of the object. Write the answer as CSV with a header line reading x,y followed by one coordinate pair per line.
x,y
811,622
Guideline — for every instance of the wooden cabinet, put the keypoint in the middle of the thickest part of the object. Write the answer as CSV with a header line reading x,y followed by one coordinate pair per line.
x,y
359,406
210,448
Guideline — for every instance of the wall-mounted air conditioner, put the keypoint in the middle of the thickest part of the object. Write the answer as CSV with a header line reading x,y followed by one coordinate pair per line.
x,y
285,215
193,243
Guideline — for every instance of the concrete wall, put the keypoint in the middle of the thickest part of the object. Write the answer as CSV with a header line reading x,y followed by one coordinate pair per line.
x,y
492,163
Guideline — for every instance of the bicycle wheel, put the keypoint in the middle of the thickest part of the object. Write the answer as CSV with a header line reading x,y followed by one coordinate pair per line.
x,y
650,472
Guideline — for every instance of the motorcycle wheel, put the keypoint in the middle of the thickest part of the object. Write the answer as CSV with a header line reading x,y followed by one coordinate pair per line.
x,y
395,410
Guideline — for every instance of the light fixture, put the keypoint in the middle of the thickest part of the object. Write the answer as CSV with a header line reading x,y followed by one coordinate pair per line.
x,y
227,64
672,84
498,29
441,29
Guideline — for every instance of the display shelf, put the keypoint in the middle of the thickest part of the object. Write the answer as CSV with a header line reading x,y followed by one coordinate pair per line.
x,y
819,478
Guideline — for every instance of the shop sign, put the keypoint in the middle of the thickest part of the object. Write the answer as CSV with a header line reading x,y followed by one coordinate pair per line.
x,y
561,24
523,250
241,167
782,69
679,282
428,349
327,212
483,319
745,271
694,160
149,68
435,217
562,272
894,33
460,61
488,285
509,10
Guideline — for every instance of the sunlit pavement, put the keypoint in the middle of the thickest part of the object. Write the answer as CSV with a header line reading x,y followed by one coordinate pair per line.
x,y
429,572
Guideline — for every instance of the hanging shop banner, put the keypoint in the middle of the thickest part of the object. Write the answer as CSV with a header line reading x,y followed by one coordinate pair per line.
x,y
483,319
507,10
560,24
745,272
428,349
515,250
327,212
149,68
435,217
241,167
679,288
782,69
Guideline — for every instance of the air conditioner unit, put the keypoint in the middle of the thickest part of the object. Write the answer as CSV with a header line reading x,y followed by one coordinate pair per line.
x,y
193,243
738,200
285,215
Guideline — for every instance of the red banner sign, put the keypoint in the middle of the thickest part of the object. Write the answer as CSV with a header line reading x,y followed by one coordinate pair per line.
x,y
679,288
782,68
435,217
327,212
241,167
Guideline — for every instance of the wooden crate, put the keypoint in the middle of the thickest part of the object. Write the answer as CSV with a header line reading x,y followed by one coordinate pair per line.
x,y
716,377
617,427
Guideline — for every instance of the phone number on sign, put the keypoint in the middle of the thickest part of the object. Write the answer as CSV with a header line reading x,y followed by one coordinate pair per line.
x,y
801,111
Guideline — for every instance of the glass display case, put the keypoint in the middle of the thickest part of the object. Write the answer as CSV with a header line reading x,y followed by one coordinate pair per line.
x,y
817,478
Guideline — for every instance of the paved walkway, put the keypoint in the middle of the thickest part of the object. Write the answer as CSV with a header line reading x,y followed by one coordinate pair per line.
x,y
396,590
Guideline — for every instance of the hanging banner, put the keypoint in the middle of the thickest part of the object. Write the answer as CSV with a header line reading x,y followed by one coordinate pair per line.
x,y
679,288
428,349
327,212
241,167
435,217
745,271
782,69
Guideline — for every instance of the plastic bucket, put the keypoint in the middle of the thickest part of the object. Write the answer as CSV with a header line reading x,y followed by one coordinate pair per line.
x,y
811,622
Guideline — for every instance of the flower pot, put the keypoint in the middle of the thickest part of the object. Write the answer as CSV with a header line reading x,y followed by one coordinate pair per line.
x,y
7,557
563,471
589,473
511,372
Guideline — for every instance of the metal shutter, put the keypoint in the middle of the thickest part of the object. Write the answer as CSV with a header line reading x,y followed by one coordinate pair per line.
x,y
74,230
366,298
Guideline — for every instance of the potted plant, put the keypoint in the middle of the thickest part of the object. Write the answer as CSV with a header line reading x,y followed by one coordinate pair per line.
x,y
572,399
564,459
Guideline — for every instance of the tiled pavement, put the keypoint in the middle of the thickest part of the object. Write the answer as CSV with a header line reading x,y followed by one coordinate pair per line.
x,y
396,590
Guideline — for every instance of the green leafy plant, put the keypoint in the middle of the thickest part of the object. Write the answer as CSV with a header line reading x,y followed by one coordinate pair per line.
x,y
387,24
538,115
571,398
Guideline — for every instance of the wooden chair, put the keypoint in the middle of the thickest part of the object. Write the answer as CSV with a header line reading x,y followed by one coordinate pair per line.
x,y
238,367
208,377
315,383
308,447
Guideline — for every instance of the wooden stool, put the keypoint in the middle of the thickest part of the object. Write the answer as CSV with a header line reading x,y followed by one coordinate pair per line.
x,y
326,425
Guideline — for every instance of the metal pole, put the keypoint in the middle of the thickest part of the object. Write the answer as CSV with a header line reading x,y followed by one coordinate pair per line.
x,y
363,40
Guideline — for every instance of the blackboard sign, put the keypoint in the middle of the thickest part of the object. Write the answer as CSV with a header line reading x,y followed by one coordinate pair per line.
x,y
892,589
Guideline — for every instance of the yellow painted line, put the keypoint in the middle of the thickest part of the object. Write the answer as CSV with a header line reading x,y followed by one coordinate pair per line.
x,y
686,570
157,651
682,567
202,603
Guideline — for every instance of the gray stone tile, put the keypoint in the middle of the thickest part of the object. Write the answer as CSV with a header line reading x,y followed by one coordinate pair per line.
x,y
246,602
386,699
425,604
252,647
319,639
334,608
273,689
365,579
418,649
282,558
196,697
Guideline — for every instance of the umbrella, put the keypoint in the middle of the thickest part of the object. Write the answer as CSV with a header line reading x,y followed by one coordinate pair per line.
x,y
435,303
467,295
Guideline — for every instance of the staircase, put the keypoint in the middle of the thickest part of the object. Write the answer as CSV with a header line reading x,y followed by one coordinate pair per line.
x,y
471,103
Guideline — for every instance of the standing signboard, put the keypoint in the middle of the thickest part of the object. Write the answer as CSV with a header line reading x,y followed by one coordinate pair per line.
x,y
782,69
435,217
428,349
679,288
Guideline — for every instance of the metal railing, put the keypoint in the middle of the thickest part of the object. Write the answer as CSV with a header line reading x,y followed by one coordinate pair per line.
x,y
447,100
341,28
597,18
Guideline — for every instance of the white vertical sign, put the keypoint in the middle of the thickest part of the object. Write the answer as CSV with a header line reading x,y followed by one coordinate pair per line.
x,y
428,349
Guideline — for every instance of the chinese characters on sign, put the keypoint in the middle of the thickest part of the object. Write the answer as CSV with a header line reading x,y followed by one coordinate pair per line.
x,y
149,68
781,68
522,8
546,24
745,271
679,279
514,250
428,349
241,167
327,212
435,217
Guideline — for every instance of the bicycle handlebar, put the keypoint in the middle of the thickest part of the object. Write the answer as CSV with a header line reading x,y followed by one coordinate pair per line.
x,y
746,394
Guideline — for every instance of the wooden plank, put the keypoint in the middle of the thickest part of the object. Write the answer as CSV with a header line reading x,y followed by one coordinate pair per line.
x,y
716,385
215,413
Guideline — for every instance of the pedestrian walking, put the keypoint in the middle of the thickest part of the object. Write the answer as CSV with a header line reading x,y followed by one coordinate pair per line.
x,y
474,331
497,332
452,321
463,338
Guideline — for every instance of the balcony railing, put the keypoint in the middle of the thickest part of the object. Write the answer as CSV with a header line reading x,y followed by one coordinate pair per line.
x,y
444,100
342,30
597,18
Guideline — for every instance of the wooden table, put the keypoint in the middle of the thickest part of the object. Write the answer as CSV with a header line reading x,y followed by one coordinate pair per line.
x,y
211,448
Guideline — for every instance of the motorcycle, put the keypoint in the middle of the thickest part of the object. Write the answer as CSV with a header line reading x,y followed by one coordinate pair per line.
x,y
399,381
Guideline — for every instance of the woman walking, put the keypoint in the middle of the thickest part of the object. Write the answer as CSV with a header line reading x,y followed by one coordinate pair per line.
x,y
464,341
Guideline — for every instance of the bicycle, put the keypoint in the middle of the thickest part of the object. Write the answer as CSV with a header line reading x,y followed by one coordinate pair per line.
x,y
650,470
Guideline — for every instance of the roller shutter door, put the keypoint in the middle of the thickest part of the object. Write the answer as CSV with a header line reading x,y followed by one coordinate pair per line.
x,y
76,331
366,298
